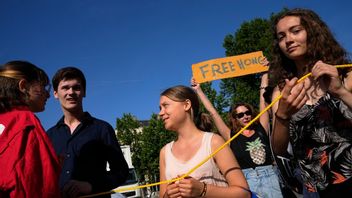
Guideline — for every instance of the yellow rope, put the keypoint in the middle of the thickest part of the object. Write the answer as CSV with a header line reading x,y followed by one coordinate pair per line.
x,y
214,153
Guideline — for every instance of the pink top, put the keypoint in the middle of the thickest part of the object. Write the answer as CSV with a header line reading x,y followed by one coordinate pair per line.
x,y
208,172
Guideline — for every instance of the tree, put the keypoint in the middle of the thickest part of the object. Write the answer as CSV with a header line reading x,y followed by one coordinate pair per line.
x,y
127,130
252,36
216,99
146,144
152,139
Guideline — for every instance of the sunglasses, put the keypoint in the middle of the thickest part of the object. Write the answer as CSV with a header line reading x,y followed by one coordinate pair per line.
x,y
240,115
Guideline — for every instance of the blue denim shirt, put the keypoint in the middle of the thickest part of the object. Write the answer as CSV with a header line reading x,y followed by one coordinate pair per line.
x,y
84,153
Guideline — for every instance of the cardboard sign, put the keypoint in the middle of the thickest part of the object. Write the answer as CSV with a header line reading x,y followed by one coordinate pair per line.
x,y
227,67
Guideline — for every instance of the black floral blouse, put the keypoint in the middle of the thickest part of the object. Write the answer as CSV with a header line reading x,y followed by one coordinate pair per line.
x,y
321,136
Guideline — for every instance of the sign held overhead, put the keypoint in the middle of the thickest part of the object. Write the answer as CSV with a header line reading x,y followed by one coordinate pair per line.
x,y
227,67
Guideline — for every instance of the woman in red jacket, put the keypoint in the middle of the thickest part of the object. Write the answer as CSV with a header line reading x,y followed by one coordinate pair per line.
x,y
28,164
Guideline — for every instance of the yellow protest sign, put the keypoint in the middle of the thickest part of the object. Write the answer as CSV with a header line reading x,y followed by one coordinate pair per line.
x,y
229,67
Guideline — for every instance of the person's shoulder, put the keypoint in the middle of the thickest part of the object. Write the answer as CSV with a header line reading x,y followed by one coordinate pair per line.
x,y
22,116
51,130
167,145
88,116
162,150
97,121
102,126
217,140
55,128
102,122
20,112
258,126
276,90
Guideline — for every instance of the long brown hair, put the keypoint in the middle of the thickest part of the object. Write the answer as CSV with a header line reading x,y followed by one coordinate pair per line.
x,y
321,45
233,122
182,93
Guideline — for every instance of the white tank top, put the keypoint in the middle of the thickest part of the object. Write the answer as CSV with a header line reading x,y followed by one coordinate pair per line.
x,y
208,172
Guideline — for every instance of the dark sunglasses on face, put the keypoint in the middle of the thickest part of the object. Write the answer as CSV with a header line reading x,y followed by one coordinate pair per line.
x,y
240,115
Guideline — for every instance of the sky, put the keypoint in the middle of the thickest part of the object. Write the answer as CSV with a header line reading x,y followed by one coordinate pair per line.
x,y
132,50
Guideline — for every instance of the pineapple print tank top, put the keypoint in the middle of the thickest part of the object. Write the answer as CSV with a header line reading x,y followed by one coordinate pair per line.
x,y
252,151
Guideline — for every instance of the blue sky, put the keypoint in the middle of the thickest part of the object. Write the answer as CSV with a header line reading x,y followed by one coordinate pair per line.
x,y
131,50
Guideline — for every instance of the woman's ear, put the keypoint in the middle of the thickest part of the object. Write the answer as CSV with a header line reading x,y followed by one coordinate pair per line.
x,y
188,105
23,85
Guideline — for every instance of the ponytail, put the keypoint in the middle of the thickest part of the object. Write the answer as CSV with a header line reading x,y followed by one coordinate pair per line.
x,y
204,122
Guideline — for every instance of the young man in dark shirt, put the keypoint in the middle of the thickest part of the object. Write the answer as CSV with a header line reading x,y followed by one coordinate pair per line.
x,y
83,143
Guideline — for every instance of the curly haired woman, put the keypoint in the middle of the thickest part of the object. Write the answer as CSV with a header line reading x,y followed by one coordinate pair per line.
x,y
314,116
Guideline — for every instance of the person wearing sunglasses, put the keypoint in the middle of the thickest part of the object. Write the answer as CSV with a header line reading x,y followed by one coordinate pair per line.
x,y
252,146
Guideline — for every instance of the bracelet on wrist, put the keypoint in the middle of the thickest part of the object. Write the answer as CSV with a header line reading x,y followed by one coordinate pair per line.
x,y
204,192
282,118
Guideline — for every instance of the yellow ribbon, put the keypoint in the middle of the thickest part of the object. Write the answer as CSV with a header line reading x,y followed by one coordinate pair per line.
x,y
214,153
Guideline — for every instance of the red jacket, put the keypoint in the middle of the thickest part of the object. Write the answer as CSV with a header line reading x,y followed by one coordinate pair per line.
x,y
28,163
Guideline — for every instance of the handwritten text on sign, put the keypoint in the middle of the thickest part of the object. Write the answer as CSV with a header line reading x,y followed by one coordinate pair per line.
x,y
229,67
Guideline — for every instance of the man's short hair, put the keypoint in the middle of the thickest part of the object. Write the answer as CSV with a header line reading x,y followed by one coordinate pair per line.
x,y
68,73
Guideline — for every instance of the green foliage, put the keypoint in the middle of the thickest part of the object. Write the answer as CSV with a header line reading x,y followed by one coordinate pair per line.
x,y
241,89
217,100
252,36
127,132
153,138
146,143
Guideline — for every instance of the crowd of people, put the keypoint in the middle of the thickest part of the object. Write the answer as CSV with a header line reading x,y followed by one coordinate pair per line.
x,y
312,121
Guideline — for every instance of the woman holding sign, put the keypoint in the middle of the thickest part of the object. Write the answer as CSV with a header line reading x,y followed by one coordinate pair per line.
x,y
252,146
314,116
179,111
